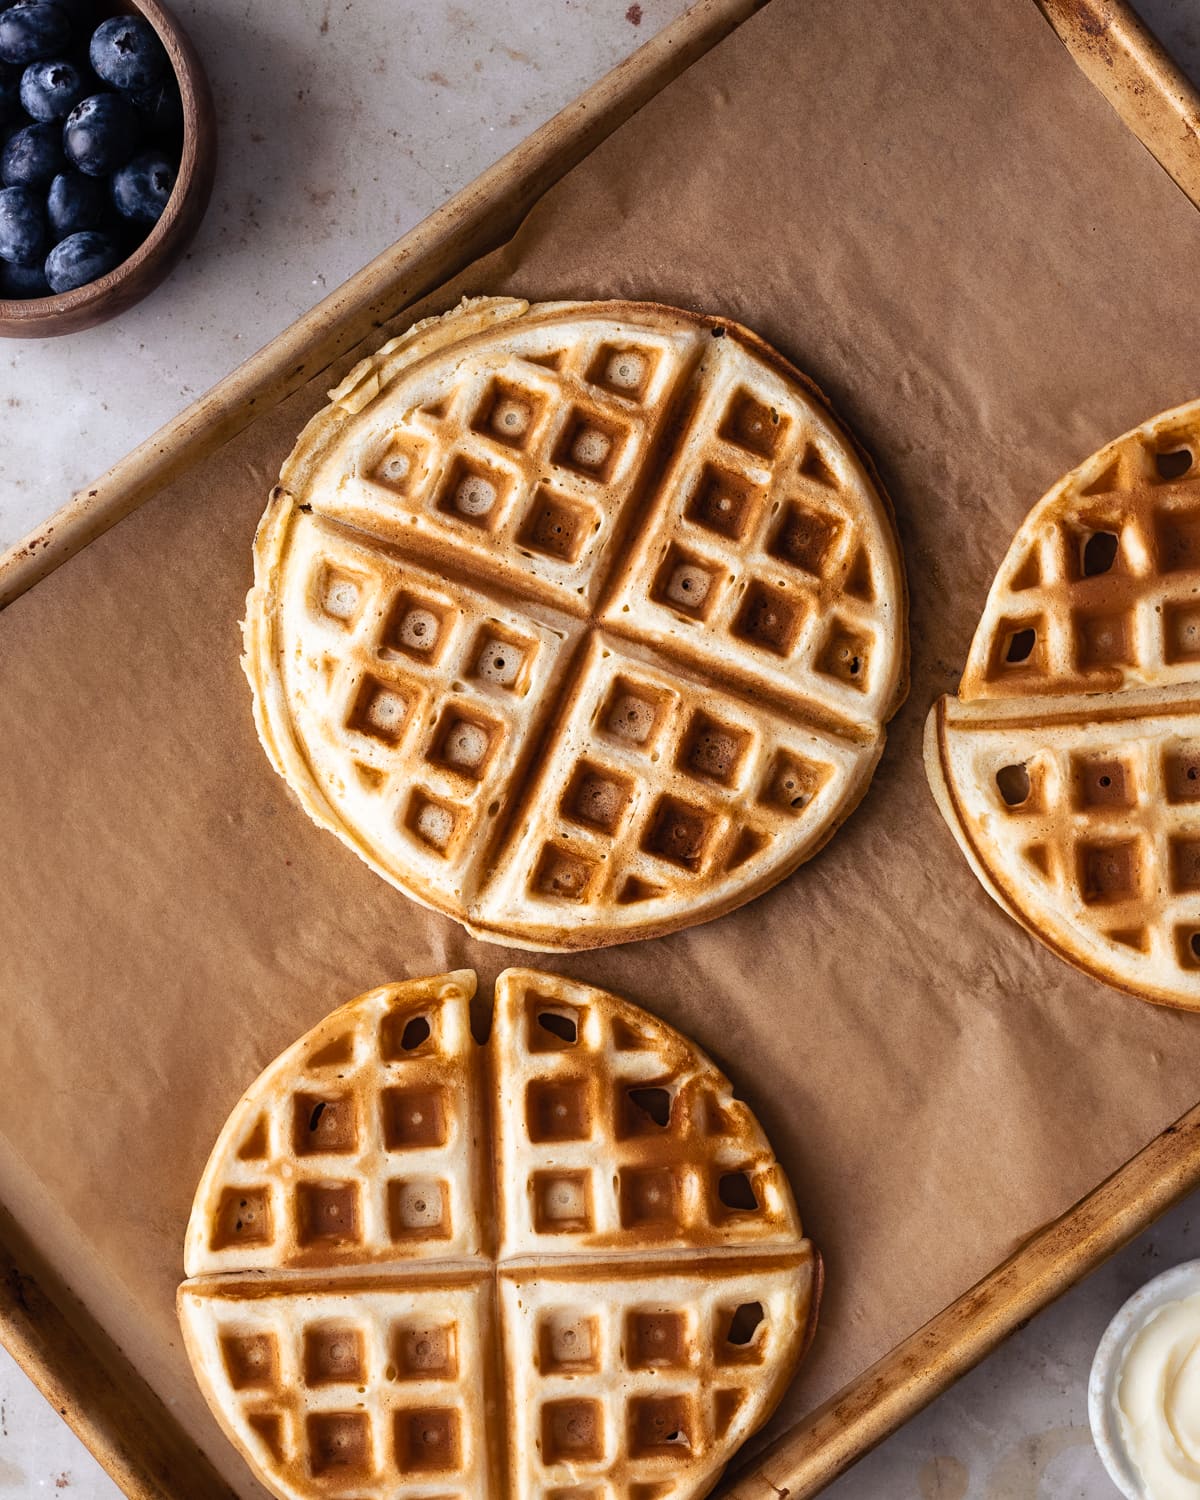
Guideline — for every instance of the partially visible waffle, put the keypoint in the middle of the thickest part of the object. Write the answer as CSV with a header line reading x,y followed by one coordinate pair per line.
x,y
1068,766
578,622
609,1314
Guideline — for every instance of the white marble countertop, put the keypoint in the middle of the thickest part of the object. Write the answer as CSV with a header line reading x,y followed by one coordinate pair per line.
x,y
302,88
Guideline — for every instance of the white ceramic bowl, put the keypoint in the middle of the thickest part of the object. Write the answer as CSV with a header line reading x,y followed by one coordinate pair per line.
x,y
1181,1281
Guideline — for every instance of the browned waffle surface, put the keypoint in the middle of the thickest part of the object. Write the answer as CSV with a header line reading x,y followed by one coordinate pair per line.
x,y
579,622
1068,766
422,1267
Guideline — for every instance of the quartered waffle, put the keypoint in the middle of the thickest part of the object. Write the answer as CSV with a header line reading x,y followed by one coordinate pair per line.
x,y
1068,766
578,622
561,1266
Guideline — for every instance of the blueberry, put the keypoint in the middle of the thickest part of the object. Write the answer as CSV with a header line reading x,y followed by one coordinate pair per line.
x,y
141,188
22,227
126,52
99,134
23,281
50,90
74,202
29,32
32,156
81,258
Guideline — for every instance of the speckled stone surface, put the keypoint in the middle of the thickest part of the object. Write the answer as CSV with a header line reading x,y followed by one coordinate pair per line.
x,y
345,122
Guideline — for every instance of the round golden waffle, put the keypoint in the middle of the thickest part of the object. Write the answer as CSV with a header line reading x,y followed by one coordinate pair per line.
x,y
1068,766
578,622
562,1266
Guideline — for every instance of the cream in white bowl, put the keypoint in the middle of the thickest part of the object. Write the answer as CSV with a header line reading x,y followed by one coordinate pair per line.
x,y
1144,1391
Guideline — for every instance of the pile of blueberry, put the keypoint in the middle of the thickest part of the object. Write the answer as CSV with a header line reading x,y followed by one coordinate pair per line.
x,y
91,130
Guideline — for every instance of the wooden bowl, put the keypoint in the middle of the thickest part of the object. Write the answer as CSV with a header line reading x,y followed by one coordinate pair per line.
x,y
134,278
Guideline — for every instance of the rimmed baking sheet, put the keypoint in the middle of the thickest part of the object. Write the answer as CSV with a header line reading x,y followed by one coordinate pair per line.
x,y
928,209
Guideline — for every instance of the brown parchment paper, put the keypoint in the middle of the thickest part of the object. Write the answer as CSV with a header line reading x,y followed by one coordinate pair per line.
x,y
927,208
